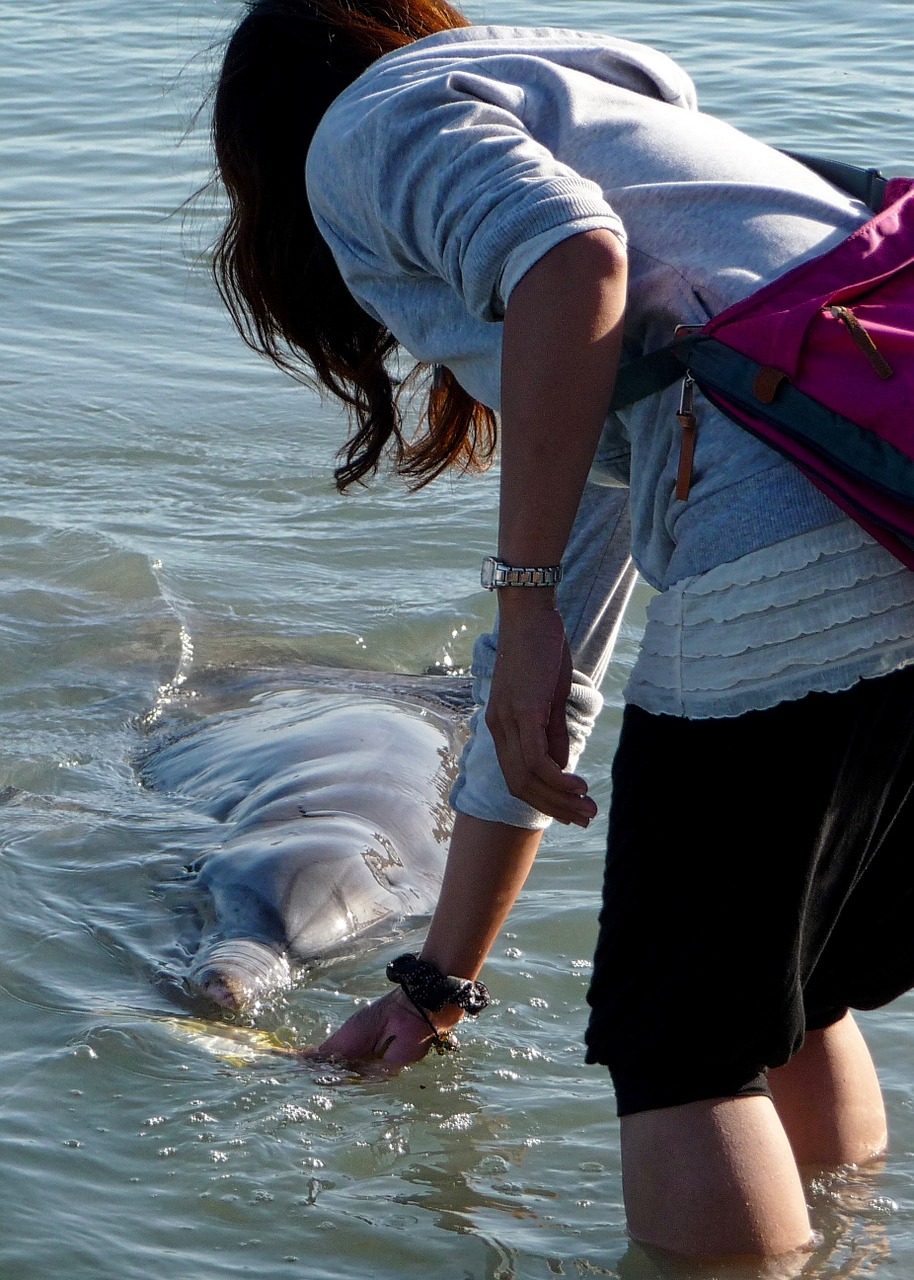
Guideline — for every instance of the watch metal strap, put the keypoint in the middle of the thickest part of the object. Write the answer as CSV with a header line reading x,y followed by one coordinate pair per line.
x,y
496,574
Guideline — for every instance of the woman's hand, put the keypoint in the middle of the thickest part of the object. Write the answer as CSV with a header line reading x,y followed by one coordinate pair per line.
x,y
389,1032
526,709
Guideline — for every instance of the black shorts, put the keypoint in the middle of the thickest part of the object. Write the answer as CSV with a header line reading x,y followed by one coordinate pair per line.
x,y
759,882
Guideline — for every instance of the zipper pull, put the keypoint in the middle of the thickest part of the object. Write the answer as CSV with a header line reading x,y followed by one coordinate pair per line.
x,y
862,339
689,424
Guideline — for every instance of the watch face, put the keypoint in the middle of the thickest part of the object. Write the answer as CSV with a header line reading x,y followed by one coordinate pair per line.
x,y
487,577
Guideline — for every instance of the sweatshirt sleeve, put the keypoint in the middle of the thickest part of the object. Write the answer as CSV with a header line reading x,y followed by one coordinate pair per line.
x,y
442,179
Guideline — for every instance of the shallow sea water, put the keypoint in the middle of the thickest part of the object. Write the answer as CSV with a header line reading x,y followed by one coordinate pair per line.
x,y
167,511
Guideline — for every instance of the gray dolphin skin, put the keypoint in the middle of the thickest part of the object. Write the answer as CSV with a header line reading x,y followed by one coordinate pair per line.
x,y
334,800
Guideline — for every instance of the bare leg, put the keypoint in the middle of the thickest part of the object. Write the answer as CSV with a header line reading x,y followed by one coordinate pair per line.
x,y
713,1179
829,1100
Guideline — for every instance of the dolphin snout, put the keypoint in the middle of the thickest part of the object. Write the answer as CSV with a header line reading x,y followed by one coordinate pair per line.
x,y
238,972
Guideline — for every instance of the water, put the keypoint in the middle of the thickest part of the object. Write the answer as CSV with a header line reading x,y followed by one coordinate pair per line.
x,y
166,509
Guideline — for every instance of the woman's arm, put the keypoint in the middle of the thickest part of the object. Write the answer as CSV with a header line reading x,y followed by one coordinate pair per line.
x,y
561,347
562,337
487,865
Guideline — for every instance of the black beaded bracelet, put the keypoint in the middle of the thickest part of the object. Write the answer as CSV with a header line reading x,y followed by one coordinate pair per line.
x,y
429,988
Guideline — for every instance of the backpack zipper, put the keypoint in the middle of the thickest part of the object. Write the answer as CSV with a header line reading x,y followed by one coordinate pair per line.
x,y
862,339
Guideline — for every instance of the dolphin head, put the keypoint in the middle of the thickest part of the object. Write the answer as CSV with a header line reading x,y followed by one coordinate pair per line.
x,y
235,973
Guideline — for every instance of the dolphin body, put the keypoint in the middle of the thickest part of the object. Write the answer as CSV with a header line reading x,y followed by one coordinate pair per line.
x,y
334,799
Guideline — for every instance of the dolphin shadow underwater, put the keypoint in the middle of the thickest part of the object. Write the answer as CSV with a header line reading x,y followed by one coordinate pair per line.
x,y
332,787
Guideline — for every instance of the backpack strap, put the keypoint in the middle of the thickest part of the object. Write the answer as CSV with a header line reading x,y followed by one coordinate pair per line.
x,y
660,369
866,185
642,377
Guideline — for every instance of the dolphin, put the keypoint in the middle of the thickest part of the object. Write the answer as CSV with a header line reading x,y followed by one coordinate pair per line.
x,y
333,796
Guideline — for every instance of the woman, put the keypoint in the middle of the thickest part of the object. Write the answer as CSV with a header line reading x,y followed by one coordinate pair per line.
x,y
521,210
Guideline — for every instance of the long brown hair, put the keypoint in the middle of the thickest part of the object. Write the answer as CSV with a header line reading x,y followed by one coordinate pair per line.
x,y
284,65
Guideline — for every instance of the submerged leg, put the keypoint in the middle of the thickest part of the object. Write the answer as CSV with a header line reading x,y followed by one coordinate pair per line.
x,y
829,1100
713,1179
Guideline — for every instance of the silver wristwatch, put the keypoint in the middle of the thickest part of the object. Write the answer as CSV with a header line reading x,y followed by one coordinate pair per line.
x,y
496,574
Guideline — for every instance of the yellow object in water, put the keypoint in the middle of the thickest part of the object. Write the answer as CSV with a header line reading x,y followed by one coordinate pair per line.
x,y
238,1046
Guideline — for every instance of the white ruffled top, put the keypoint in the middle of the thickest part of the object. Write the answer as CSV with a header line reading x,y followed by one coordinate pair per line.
x,y
816,612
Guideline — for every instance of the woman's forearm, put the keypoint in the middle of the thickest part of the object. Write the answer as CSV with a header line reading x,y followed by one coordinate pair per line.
x,y
487,865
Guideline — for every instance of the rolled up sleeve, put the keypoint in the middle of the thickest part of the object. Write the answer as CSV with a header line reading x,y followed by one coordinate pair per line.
x,y
470,195
443,180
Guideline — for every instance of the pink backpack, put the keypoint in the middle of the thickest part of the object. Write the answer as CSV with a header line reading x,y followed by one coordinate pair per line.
x,y
820,365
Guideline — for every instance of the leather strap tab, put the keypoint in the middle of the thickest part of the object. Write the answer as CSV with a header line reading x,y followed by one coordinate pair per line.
x,y
766,383
689,424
